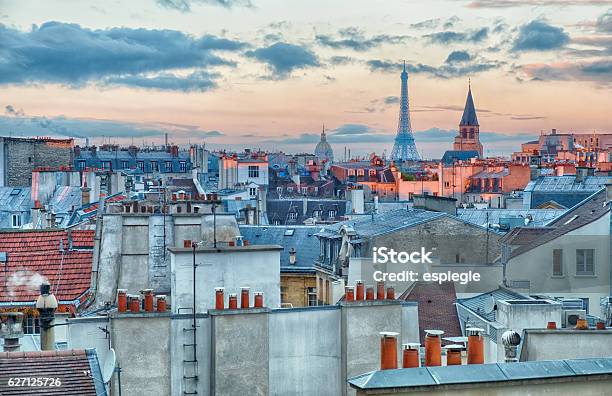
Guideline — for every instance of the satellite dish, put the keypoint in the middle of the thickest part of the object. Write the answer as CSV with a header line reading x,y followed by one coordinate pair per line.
x,y
489,305
109,366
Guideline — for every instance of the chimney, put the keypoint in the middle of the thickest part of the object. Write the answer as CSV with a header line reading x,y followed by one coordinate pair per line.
x,y
259,299
390,293
388,350
581,173
511,340
122,300
11,330
609,192
148,300
161,303
433,347
453,355
349,294
370,293
551,326
233,301
244,298
46,304
380,290
359,290
475,348
410,355
134,303
292,258
219,298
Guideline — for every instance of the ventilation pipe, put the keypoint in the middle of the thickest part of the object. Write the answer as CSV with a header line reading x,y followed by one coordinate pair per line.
x,y
511,340
433,347
46,304
388,350
475,348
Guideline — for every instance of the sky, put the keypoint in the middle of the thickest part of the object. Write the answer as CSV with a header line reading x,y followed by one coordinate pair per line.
x,y
270,73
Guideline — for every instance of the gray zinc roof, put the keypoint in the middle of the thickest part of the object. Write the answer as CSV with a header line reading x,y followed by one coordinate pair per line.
x,y
482,373
567,184
15,199
478,303
539,217
382,223
300,238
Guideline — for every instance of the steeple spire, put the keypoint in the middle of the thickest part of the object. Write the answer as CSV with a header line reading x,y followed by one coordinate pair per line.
x,y
469,112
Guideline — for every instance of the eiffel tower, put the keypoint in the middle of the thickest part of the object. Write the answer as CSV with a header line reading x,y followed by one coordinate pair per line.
x,y
404,148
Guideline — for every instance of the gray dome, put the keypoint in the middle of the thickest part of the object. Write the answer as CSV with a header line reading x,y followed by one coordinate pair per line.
x,y
323,151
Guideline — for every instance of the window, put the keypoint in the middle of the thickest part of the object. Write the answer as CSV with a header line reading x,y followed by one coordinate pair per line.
x,y
446,184
304,190
141,166
81,165
372,172
31,325
289,189
351,172
106,165
16,220
360,172
293,215
125,165
154,166
558,262
183,166
168,166
253,191
253,171
316,213
279,190
276,222
331,213
585,262
312,296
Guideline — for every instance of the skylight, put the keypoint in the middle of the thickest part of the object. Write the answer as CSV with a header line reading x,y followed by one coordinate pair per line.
x,y
289,232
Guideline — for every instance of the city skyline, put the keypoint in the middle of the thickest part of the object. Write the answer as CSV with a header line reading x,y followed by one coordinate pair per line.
x,y
266,75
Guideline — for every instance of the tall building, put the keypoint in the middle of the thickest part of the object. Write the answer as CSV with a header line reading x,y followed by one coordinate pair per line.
x,y
468,138
404,148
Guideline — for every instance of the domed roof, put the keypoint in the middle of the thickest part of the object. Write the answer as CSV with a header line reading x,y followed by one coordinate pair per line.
x,y
323,151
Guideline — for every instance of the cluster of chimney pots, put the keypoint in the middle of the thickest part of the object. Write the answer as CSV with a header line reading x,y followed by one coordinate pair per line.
x,y
233,299
433,350
132,302
360,292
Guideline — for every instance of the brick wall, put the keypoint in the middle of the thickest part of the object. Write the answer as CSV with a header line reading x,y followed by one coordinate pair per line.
x,y
24,155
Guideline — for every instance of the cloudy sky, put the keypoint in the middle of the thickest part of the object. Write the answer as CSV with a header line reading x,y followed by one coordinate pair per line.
x,y
269,73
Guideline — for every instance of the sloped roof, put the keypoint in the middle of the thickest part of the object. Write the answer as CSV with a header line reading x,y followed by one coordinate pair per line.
x,y
436,308
382,223
78,370
15,199
34,256
477,304
523,235
538,217
580,215
469,112
401,379
300,238
567,184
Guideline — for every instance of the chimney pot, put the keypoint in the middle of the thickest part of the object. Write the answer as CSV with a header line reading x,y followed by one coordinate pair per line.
x,y
244,298
359,290
475,349
370,293
453,355
187,243
148,300
600,326
410,355
233,301
582,324
551,325
349,293
380,290
219,298
161,303
388,350
259,299
390,293
134,303
433,348
122,300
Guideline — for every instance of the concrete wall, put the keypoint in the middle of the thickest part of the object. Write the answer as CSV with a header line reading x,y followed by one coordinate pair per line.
x,y
542,344
254,266
528,316
302,351
305,351
535,265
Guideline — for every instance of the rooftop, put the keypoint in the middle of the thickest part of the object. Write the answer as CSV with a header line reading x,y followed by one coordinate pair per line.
x,y
416,378
78,370
567,184
537,217
36,256
480,304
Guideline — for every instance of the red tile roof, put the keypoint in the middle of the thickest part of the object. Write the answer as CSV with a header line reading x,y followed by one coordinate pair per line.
x,y
437,309
77,371
34,256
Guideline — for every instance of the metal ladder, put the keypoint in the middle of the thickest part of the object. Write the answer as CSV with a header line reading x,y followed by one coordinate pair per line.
x,y
190,358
